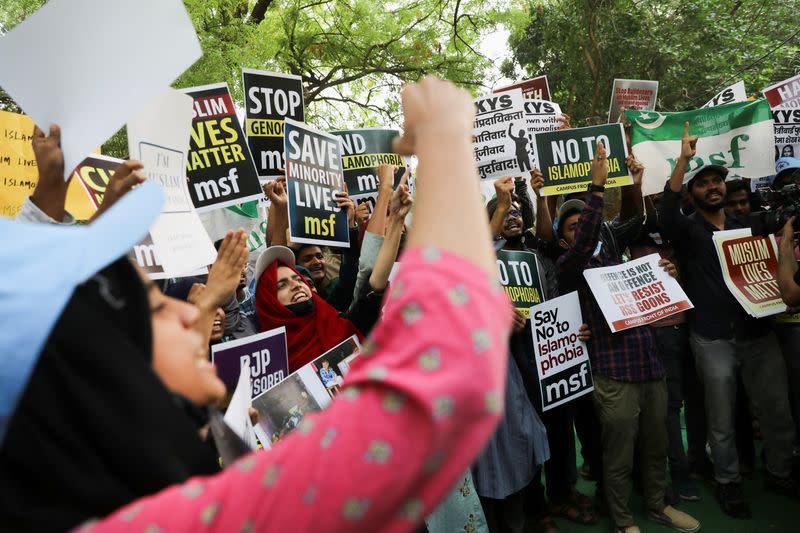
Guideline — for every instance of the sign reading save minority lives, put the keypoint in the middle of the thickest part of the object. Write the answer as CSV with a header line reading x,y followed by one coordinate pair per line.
x,y
519,275
562,360
636,293
739,137
363,150
264,355
269,98
220,168
632,94
535,88
500,139
749,266
565,157
314,176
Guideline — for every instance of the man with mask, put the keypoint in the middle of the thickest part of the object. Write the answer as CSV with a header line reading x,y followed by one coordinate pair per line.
x,y
630,394
724,338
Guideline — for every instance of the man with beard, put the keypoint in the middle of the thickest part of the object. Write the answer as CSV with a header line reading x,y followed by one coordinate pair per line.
x,y
724,338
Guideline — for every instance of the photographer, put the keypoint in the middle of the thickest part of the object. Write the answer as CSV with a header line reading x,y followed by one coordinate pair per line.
x,y
788,273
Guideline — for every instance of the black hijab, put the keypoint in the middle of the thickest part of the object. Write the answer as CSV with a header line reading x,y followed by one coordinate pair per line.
x,y
95,428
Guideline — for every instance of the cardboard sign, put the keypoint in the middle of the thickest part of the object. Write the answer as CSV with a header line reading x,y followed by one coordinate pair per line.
x,y
500,139
314,176
363,150
270,97
159,138
785,94
565,157
739,137
541,116
562,359
729,95
264,355
636,293
632,94
220,168
19,173
72,38
309,389
535,88
519,275
787,132
749,267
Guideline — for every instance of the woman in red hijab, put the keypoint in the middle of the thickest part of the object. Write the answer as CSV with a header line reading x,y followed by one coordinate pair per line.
x,y
283,298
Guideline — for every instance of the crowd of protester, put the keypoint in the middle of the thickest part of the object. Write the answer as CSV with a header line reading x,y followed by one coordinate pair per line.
x,y
111,432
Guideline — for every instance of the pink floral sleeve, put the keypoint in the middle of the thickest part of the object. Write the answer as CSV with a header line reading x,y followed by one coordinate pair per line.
x,y
415,411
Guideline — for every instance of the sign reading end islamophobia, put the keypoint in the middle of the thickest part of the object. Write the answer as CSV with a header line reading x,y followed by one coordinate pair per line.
x,y
519,275
636,293
219,165
363,150
314,176
565,157
562,360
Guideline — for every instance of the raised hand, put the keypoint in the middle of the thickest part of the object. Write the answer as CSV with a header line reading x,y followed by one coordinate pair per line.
x,y
537,181
401,202
276,191
50,194
563,119
344,201
600,166
225,273
504,188
688,143
635,168
386,176
362,213
126,177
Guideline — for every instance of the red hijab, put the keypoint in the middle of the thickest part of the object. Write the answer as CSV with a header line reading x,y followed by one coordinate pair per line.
x,y
307,337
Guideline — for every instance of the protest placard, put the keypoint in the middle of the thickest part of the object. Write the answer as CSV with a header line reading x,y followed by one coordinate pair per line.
x,y
784,94
787,132
362,151
309,389
269,98
19,173
565,157
500,139
541,116
80,35
739,137
536,88
220,168
159,138
749,267
729,95
314,176
264,355
237,418
519,275
636,293
561,358
632,94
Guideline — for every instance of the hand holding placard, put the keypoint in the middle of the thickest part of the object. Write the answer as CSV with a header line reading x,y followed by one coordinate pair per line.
x,y
600,166
635,168
50,194
126,177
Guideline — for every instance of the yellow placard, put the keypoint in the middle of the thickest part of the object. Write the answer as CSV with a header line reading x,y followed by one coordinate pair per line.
x,y
19,174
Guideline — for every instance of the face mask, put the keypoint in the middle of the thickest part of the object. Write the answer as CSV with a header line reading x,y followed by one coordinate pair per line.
x,y
302,308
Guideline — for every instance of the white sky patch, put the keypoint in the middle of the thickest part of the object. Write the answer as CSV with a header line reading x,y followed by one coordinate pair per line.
x,y
495,46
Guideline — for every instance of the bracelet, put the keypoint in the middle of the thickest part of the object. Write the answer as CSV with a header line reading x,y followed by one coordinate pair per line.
x,y
595,188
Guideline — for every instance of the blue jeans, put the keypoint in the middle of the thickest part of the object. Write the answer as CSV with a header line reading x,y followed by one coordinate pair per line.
x,y
764,375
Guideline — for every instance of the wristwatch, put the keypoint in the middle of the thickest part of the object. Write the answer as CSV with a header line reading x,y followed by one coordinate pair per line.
x,y
595,188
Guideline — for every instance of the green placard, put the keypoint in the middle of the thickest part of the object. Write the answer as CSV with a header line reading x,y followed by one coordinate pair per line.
x,y
519,274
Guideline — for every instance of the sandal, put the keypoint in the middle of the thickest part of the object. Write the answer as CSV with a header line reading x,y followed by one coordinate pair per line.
x,y
547,525
574,513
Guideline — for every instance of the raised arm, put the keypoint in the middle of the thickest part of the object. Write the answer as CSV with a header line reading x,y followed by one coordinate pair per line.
x,y
632,203
278,216
398,209
502,188
544,222
377,222
675,224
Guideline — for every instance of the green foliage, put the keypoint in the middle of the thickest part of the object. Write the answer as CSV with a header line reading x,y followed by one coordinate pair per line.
x,y
694,48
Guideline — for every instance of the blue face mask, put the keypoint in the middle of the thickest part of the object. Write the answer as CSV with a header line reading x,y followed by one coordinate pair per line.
x,y
38,284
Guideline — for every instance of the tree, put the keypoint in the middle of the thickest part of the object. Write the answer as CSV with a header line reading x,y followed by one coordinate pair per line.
x,y
694,48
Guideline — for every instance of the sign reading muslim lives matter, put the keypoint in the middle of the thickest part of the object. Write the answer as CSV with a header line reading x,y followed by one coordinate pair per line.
x,y
269,98
265,355
636,293
519,275
220,169
313,177
363,150
562,360
500,138
565,157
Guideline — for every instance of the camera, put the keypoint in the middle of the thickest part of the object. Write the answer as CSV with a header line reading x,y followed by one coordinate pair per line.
x,y
782,204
